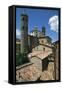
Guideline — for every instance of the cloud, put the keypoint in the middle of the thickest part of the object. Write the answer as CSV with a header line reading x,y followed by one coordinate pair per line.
x,y
18,33
53,22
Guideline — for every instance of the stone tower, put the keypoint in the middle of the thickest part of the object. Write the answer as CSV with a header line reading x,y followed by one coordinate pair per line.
x,y
43,30
24,34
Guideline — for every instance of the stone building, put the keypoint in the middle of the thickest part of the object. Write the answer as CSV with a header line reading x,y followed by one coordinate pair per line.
x,y
35,32
37,40
39,49
56,59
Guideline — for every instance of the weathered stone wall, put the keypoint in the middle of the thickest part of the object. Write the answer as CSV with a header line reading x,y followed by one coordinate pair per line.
x,y
57,62
37,61
27,73
31,72
44,41
42,48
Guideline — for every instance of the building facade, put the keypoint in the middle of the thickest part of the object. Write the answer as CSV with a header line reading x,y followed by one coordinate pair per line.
x,y
37,41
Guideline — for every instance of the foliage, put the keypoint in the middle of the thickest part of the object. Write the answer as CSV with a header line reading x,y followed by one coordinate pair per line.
x,y
21,59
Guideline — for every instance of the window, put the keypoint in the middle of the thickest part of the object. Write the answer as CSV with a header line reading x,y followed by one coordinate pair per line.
x,y
42,41
23,18
22,27
43,49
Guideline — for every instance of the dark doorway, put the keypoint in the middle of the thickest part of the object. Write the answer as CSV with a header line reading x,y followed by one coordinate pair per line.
x,y
45,64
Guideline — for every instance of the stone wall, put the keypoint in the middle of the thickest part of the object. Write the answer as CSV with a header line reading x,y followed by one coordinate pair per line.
x,y
32,72
28,72
42,48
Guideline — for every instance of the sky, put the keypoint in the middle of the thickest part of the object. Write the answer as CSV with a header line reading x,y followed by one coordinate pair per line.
x,y
39,18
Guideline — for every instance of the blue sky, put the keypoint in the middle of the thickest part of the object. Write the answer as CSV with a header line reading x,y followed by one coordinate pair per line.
x,y
39,18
